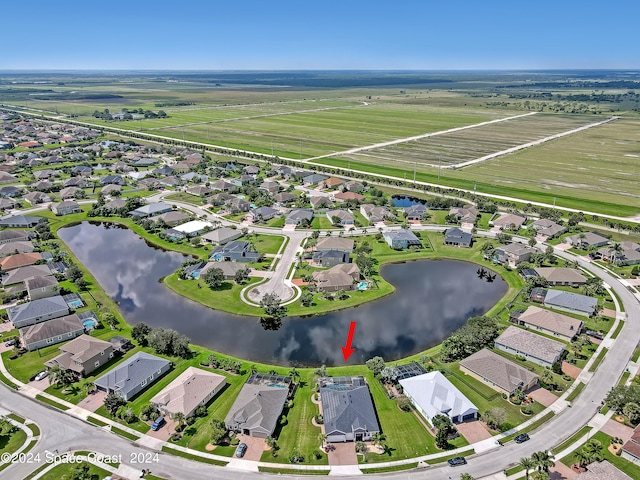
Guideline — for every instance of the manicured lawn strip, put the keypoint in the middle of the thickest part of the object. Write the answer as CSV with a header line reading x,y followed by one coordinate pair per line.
x,y
598,360
394,468
5,380
267,243
513,470
95,421
531,427
626,466
616,332
576,392
34,428
51,402
299,433
14,442
15,417
124,434
65,470
197,458
636,354
623,379
277,222
287,471
186,198
572,439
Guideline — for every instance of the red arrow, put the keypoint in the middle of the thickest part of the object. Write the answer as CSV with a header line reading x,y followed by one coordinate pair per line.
x,y
347,350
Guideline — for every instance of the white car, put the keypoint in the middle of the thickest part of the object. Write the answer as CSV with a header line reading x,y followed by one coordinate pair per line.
x,y
41,376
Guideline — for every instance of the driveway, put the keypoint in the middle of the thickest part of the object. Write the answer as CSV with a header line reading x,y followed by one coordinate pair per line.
x,y
165,431
570,370
543,396
41,384
473,431
617,429
255,447
343,454
561,472
93,401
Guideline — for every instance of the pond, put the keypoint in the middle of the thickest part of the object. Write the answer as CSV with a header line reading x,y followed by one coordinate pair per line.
x,y
405,201
432,298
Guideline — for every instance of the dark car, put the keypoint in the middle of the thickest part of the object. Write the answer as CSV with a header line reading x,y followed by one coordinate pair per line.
x,y
160,421
240,451
10,343
523,437
456,461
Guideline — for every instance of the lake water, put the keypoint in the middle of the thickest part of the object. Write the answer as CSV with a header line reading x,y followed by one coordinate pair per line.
x,y
433,298
405,201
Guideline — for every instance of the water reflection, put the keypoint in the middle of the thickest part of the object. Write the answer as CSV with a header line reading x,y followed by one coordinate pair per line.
x,y
432,299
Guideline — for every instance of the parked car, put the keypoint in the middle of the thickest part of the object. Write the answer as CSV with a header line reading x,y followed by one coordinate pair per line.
x,y
455,461
240,451
10,343
41,376
523,437
160,421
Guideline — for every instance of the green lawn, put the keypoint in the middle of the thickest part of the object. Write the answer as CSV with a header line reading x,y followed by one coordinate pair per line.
x,y
12,442
322,223
277,222
186,198
267,243
65,470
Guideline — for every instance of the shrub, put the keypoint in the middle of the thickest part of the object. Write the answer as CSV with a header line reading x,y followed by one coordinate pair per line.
x,y
404,404
316,454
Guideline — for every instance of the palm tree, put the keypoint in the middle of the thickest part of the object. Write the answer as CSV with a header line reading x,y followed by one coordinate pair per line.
x,y
582,457
543,461
294,374
60,376
528,464
179,417
322,437
88,387
377,439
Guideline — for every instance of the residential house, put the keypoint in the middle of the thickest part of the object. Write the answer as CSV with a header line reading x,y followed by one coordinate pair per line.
x,y
332,182
547,228
432,394
112,180
19,260
42,186
340,217
83,355
221,185
257,408
78,182
375,213
229,269
66,207
319,201
313,179
262,214
284,198
21,274
150,210
164,170
270,186
48,333
83,170
345,196
454,237
298,216
69,193
193,228
7,204
34,198
550,323
535,348
509,221
37,311
344,276
133,375
513,254
12,248
220,198
502,375
251,170
587,240
172,218
628,254
115,204
237,205
353,186
235,251
604,471
170,181
222,235
347,410
330,258
561,276
401,239
193,388
194,177
10,191
416,212
199,191
41,287
8,236
467,214
570,302
631,448
20,221
335,243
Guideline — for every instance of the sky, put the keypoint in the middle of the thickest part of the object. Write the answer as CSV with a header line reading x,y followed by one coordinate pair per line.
x,y
322,34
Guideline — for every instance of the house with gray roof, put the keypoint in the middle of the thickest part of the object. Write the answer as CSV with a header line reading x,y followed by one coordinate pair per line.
x,y
133,376
284,198
628,254
375,213
150,209
509,221
66,207
193,388
112,179
551,323
83,355
455,237
415,212
8,236
21,274
229,269
570,302
41,287
35,198
347,410
335,243
12,248
172,218
535,348
330,258
547,228
561,276
235,251
257,408
40,310
262,214
319,202
221,185
296,216
587,240
513,254
21,221
313,179
467,214
51,332
501,374
237,205
401,239
221,235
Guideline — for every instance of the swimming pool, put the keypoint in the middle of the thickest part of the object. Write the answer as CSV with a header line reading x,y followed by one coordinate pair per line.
x,y
89,323
75,303
363,286
276,385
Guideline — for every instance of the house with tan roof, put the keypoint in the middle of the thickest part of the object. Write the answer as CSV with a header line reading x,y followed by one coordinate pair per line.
x,y
83,355
509,221
561,276
343,276
191,389
551,323
332,182
499,373
335,243
344,196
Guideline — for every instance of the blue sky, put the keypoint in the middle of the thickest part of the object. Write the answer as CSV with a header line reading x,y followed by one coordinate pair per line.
x,y
322,34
